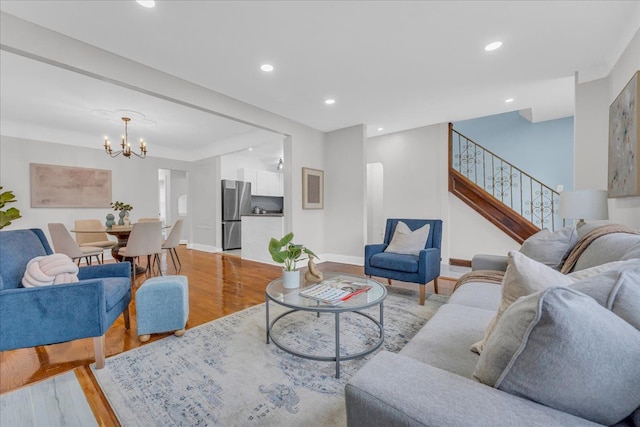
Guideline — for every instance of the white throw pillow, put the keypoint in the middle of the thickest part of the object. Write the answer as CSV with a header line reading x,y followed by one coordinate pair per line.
x,y
405,241
50,270
525,276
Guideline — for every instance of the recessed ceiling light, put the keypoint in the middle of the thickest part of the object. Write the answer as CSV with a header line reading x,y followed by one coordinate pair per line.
x,y
250,149
146,3
329,101
266,67
508,100
380,129
492,46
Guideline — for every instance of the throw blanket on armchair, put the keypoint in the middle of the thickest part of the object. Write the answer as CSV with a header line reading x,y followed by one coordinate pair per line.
x,y
588,238
50,270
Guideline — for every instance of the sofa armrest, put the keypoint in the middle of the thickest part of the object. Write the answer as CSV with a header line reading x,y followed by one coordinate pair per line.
x,y
394,390
51,314
119,269
489,262
371,250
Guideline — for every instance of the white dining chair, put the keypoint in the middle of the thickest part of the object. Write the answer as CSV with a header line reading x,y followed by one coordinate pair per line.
x,y
145,239
63,243
173,241
99,239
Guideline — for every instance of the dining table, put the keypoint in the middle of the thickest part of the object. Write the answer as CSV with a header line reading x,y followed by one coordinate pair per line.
x,y
121,232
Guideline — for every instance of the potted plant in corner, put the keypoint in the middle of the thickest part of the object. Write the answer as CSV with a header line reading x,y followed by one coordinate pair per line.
x,y
284,251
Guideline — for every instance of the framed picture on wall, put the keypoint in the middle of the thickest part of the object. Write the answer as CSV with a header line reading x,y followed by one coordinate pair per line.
x,y
624,142
54,186
312,188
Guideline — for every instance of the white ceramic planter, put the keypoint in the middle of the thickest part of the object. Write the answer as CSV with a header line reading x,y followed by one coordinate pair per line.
x,y
291,279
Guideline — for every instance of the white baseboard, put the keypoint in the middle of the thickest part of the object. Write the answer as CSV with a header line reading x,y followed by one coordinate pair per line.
x,y
184,242
203,248
342,259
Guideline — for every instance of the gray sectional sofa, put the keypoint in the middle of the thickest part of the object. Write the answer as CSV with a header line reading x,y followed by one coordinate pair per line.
x,y
430,382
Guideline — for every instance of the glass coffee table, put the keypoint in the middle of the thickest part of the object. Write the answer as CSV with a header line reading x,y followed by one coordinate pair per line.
x,y
290,298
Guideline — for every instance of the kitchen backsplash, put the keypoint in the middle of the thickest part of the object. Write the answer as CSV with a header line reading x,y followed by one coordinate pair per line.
x,y
270,204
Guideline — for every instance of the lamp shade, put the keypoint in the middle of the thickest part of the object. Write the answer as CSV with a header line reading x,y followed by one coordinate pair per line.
x,y
584,204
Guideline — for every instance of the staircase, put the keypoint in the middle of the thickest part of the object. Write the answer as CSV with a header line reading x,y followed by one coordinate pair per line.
x,y
508,197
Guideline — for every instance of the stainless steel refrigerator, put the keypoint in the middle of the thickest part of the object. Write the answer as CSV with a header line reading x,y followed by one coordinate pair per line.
x,y
236,201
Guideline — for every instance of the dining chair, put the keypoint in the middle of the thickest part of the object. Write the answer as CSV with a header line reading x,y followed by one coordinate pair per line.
x,y
145,239
173,241
98,239
63,243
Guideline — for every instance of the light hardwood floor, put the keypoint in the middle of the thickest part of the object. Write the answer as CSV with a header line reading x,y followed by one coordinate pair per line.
x,y
218,285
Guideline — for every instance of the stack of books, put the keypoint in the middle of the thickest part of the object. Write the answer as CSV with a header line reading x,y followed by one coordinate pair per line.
x,y
334,291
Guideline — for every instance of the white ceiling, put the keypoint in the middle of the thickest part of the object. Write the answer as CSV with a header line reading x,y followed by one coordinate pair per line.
x,y
390,64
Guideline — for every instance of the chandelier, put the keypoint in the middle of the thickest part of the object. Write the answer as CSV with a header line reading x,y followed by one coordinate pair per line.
x,y
126,146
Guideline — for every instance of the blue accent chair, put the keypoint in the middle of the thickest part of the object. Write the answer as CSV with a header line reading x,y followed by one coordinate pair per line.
x,y
420,269
31,317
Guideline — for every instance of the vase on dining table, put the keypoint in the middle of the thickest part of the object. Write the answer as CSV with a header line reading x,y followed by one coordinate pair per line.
x,y
121,214
110,221
127,220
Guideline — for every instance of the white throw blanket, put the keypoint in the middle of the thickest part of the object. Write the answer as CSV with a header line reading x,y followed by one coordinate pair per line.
x,y
50,270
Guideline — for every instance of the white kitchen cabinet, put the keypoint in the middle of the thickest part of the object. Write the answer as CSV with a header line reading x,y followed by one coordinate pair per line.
x,y
257,230
249,175
263,183
268,183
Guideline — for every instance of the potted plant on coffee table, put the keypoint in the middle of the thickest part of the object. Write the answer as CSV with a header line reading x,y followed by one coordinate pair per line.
x,y
284,251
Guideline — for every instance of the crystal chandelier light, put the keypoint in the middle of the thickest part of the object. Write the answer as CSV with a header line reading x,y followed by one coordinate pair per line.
x,y
126,146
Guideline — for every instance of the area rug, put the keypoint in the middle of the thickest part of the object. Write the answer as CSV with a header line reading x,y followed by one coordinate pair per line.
x,y
223,372
57,401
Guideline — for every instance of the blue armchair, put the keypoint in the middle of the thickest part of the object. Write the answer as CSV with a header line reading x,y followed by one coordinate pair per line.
x,y
31,317
421,268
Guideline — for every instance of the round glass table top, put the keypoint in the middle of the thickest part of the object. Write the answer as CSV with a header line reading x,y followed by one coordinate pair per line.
x,y
292,298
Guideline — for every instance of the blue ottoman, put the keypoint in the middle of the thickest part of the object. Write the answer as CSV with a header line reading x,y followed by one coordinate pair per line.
x,y
162,305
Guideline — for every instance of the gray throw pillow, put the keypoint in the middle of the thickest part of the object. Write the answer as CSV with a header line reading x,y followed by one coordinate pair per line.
x,y
549,248
617,289
560,348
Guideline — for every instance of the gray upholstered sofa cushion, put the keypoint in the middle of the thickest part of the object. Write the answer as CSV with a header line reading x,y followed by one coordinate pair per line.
x,y
559,347
392,391
479,294
444,341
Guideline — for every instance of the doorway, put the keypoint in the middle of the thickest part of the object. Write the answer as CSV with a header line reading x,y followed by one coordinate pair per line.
x,y
172,200
375,203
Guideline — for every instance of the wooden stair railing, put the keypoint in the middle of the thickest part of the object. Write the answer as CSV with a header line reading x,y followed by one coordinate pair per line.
x,y
508,197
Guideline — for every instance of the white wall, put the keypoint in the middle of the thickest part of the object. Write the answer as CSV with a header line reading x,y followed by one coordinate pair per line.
x,y
416,186
592,133
470,233
308,225
345,193
179,186
204,206
134,181
375,203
